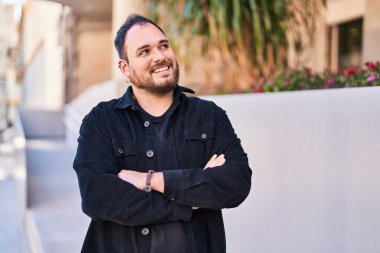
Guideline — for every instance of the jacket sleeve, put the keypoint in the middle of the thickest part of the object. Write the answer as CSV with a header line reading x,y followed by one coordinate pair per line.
x,y
104,195
220,187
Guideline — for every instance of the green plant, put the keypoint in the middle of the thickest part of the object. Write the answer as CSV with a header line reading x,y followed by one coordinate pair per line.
x,y
305,79
241,40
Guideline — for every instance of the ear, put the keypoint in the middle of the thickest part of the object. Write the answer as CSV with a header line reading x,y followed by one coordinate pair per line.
x,y
124,67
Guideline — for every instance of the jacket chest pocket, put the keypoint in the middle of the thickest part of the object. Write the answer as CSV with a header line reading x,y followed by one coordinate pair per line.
x,y
125,154
199,144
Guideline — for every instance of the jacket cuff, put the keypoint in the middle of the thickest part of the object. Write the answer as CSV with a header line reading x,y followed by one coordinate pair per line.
x,y
174,188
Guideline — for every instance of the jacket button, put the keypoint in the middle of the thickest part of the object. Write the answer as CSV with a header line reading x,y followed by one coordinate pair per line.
x,y
149,153
121,151
146,123
204,136
145,231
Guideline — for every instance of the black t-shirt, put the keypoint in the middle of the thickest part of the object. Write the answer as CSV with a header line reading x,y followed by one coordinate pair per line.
x,y
166,237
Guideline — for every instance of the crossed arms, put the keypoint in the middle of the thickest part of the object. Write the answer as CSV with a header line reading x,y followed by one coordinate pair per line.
x,y
138,179
113,195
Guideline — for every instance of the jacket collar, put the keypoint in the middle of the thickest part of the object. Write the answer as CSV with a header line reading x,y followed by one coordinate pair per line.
x,y
127,99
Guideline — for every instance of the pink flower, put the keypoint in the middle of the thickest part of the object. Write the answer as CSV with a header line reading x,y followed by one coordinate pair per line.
x,y
351,71
370,65
259,89
371,78
330,82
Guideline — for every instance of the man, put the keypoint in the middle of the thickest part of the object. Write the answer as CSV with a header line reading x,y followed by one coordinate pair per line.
x,y
156,167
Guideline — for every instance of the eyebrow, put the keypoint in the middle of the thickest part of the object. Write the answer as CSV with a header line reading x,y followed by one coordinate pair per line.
x,y
147,46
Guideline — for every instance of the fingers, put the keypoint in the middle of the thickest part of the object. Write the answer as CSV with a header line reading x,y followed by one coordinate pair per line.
x,y
219,161
211,161
121,173
215,161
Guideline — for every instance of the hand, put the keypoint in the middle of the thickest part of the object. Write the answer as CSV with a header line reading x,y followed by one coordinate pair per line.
x,y
138,179
215,161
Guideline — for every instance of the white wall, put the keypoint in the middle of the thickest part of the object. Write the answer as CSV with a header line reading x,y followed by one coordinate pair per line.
x,y
43,81
316,171
39,18
43,56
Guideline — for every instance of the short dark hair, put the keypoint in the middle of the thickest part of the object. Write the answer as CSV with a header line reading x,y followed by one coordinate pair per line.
x,y
132,20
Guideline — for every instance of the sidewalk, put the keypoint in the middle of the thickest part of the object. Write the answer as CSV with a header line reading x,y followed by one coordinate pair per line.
x,y
13,238
53,194
54,221
12,196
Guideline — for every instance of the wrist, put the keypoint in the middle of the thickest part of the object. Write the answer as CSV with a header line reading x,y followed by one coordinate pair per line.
x,y
147,187
157,182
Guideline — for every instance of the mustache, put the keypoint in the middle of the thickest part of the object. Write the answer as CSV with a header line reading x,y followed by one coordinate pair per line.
x,y
161,64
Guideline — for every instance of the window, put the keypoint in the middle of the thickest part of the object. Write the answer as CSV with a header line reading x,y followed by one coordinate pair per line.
x,y
350,43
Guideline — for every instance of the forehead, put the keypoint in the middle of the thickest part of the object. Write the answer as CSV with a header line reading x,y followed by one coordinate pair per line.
x,y
142,34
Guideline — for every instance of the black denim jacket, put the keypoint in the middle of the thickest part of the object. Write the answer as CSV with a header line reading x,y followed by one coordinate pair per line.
x,y
113,137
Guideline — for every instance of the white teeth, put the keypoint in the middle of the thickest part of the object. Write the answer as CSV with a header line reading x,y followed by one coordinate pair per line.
x,y
161,69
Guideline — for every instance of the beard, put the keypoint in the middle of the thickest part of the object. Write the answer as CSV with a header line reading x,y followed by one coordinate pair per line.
x,y
158,87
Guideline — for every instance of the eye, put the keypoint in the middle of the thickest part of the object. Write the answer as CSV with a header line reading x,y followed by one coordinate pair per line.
x,y
164,46
144,52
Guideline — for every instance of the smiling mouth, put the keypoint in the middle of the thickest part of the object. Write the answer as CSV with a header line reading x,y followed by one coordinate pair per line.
x,y
160,69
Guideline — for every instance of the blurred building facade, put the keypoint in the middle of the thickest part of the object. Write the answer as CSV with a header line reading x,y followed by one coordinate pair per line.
x,y
346,35
8,61
41,55
67,45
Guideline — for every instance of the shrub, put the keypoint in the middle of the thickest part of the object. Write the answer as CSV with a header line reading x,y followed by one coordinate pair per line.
x,y
305,79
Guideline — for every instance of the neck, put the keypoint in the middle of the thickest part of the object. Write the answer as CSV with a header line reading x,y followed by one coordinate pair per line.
x,y
155,105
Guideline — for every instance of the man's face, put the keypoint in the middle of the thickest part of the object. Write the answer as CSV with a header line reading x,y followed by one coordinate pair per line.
x,y
152,64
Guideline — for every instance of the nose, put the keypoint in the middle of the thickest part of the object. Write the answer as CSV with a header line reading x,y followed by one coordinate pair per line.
x,y
158,55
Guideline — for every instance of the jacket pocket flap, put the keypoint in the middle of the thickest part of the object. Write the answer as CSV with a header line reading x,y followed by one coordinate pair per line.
x,y
123,148
203,133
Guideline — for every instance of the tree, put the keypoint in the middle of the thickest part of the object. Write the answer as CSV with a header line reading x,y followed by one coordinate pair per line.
x,y
240,40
